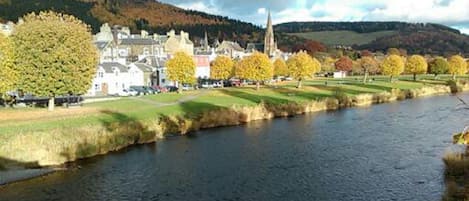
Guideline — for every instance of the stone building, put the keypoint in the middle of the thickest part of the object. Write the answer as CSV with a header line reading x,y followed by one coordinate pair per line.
x,y
270,46
179,43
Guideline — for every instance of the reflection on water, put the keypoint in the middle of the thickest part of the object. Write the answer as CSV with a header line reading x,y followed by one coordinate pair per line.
x,y
384,152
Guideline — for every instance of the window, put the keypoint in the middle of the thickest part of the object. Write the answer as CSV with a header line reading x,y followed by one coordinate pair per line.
x,y
117,85
146,51
96,87
101,74
116,73
163,80
123,86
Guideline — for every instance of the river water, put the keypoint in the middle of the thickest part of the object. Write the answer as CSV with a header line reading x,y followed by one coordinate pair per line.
x,y
383,152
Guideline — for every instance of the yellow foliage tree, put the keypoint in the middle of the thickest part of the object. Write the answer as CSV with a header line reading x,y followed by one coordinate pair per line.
x,y
181,69
8,75
392,65
457,66
302,66
256,67
328,65
221,68
416,64
280,67
55,55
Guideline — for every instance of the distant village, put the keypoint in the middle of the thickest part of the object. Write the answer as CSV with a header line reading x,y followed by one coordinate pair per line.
x,y
127,59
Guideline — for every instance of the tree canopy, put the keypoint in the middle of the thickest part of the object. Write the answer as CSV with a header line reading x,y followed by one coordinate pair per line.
x,y
344,64
8,75
457,65
256,67
439,66
416,64
302,66
280,67
393,65
181,68
221,68
55,55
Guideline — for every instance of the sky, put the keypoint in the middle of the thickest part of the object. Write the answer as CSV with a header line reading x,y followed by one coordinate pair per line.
x,y
453,13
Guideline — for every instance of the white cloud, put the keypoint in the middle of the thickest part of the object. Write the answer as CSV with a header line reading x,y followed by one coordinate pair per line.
x,y
200,6
261,11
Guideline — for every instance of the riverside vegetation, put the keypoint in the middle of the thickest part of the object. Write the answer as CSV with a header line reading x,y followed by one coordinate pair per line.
x,y
34,137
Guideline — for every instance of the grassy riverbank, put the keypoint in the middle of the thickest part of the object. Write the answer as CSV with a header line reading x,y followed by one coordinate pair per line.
x,y
36,137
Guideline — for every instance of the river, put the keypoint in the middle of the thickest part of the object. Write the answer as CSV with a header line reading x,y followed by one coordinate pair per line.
x,y
383,152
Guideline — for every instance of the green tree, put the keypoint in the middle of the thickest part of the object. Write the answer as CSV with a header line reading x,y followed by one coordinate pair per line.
x,y
55,55
393,65
280,68
256,67
221,68
457,66
181,69
8,74
302,66
439,66
368,64
416,64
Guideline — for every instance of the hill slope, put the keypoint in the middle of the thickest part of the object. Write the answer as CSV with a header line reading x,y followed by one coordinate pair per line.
x,y
139,14
379,36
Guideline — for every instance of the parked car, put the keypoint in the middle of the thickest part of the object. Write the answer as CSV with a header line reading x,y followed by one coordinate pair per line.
x,y
127,92
150,90
187,87
172,88
141,90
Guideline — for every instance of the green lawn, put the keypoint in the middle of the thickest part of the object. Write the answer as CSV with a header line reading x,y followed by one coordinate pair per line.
x,y
149,107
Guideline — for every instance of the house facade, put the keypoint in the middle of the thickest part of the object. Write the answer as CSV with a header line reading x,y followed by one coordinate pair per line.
x,y
113,77
178,43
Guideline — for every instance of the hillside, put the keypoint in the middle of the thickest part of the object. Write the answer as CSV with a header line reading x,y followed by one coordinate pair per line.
x,y
347,38
139,14
379,36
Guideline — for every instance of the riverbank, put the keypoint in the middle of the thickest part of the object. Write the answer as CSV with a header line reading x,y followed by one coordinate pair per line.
x,y
103,127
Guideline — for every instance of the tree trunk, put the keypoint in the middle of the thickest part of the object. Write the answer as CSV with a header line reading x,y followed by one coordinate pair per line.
x,y
222,84
390,79
366,76
299,83
179,87
454,76
51,103
258,85
415,76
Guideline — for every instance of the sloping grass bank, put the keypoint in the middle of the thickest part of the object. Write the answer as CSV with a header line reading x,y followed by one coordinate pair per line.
x,y
110,126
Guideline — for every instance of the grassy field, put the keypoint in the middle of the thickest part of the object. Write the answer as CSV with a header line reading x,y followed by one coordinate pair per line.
x,y
191,103
343,37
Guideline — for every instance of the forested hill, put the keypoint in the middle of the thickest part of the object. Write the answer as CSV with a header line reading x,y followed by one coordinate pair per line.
x,y
139,14
421,38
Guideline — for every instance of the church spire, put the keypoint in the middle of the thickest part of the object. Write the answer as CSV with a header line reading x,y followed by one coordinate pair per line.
x,y
269,40
205,45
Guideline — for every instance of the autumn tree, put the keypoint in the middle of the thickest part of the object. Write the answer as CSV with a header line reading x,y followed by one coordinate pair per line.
x,y
394,51
393,65
310,46
368,64
221,68
8,74
256,67
280,67
344,64
366,53
55,55
302,66
457,66
416,64
181,69
438,66
328,65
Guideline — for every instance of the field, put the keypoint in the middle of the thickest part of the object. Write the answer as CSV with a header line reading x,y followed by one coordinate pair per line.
x,y
17,120
347,38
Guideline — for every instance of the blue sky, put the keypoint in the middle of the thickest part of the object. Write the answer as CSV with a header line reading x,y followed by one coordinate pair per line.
x,y
453,13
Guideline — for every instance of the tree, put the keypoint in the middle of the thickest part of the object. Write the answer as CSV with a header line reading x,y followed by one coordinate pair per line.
x,y
416,64
328,65
55,55
394,51
221,68
256,67
310,46
392,65
302,66
280,68
181,69
8,74
368,64
366,53
457,66
344,64
438,66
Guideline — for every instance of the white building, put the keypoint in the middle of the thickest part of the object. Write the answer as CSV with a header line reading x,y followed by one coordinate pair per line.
x,y
113,77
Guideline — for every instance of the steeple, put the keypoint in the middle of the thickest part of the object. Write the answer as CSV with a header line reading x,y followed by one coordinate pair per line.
x,y
205,45
269,41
